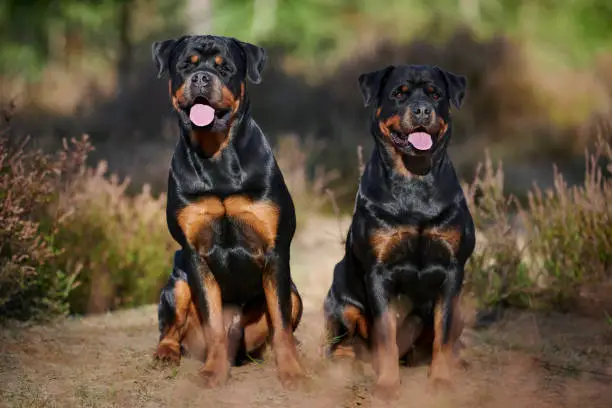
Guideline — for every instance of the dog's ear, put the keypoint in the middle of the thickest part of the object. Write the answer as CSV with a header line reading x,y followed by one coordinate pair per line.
x,y
455,85
161,55
256,58
370,84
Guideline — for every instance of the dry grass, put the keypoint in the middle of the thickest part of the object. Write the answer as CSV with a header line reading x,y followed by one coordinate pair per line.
x,y
72,238
118,242
307,183
556,251
31,283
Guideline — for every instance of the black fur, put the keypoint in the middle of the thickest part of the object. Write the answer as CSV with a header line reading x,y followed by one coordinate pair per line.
x,y
244,166
427,195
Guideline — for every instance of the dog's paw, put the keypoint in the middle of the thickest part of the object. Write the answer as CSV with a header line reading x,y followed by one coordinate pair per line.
x,y
440,378
387,389
439,384
168,354
291,379
214,376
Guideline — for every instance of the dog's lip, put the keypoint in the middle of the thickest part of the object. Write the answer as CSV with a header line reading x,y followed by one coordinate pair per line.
x,y
401,139
219,113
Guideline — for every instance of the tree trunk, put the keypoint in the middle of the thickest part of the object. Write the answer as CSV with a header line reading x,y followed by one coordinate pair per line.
x,y
199,16
126,54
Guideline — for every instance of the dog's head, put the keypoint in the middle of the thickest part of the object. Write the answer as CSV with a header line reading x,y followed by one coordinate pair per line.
x,y
412,106
207,77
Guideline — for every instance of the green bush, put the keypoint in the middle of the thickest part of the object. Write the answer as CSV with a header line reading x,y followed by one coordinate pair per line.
x,y
72,240
496,272
549,252
32,285
120,244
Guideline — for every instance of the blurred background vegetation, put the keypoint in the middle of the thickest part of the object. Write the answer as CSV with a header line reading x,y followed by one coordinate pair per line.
x,y
540,92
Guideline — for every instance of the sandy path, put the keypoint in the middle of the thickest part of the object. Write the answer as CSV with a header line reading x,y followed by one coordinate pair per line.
x,y
105,361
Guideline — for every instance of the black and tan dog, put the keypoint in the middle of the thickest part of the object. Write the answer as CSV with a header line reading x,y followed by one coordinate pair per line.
x,y
411,232
230,211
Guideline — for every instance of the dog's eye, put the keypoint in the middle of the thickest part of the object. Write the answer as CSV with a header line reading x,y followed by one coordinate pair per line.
x,y
225,70
189,62
433,93
400,92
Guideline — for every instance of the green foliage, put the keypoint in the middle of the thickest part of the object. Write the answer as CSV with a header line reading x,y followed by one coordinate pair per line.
x,y
32,31
496,272
72,239
31,283
571,230
36,32
544,255
119,243
574,30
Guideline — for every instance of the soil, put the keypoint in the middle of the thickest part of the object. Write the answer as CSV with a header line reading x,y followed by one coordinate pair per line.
x,y
525,360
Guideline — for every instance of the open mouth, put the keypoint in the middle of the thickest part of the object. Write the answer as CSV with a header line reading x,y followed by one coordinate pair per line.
x,y
202,114
419,139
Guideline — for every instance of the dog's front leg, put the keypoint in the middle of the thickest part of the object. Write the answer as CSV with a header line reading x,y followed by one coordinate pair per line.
x,y
277,288
384,335
448,325
216,366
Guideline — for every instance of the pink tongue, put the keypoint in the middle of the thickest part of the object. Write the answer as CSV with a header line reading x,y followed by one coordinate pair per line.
x,y
201,115
420,140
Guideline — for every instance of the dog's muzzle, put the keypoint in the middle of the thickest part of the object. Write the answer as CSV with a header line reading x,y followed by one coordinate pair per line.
x,y
421,114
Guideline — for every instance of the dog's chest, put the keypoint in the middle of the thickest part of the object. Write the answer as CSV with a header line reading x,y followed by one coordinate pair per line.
x,y
417,246
236,221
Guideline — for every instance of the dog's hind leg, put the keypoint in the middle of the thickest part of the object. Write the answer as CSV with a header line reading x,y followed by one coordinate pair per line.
x,y
178,320
252,333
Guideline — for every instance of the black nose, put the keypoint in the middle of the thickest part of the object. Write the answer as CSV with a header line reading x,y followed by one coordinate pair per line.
x,y
201,79
422,112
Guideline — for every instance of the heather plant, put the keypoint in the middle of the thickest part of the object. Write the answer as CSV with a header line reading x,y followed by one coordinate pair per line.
x,y
570,230
71,238
120,243
308,190
32,285
555,251
496,273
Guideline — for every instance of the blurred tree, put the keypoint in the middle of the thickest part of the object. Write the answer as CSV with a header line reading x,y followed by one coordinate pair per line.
x,y
575,29
35,32
125,57
199,16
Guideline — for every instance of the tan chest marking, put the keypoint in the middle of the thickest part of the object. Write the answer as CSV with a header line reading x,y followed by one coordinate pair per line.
x,y
450,237
261,216
384,241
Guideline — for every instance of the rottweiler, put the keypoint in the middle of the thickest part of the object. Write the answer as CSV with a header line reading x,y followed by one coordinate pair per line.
x,y
229,209
411,232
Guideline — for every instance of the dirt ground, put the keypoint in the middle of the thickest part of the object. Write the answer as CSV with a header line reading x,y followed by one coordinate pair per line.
x,y
526,360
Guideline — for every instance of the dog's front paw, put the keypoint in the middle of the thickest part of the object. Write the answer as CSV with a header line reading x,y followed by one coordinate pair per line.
x,y
215,374
440,375
168,353
290,372
387,388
